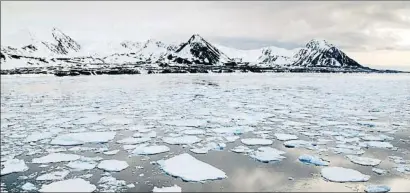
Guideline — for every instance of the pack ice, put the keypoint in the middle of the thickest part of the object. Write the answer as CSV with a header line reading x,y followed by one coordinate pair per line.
x,y
377,188
339,174
365,161
256,141
183,140
112,165
314,160
71,185
188,168
13,166
150,150
56,157
174,188
82,138
267,154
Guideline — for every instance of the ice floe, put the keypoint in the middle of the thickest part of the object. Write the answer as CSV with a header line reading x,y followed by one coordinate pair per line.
x,y
365,161
81,165
112,165
82,138
202,150
56,157
150,150
285,137
256,141
111,184
267,154
338,150
313,160
194,132
57,175
174,188
379,171
14,166
37,136
340,174
133,140
71,185
377,188
29,187
299,143
182,140
376,144
241,149
112,152
189,168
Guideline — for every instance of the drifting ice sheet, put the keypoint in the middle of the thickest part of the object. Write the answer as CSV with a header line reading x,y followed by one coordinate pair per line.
x,y
37,136
174,188
29,187
256,141
150,150
81,165
285,137
56,157
13,166
241,149
267,154
365,161
314,160
132,140
339,174
82,138
190,169
183,140
71,185
57,175
113,165
377,188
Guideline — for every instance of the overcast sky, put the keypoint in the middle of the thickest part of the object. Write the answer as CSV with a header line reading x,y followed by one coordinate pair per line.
x,y
374,33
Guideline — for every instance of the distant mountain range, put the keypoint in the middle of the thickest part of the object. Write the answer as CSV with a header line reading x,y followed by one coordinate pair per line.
x,y
64,52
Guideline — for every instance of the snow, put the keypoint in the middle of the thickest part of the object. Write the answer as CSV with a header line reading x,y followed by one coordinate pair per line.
x,y
183,140
190,169
267,154
82,138
314,160
150,150
71,185
365,161
55,157
81,165
174,188
340,174
57,175
256,141
14,166
112,165
285,137
29,187
377,188
112,152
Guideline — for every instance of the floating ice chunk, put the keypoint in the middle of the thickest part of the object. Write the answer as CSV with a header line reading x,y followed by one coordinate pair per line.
x,y
80,148
174,188
203,150
339,174
230,130
14,166
379,171
113,165
37,136
352,147
256,141
57,175
402,168
151,134
130,186
81,165
267,154
185,122
347,140
117,121
71,185
90,119
82,138
285,137
113,152
132,140
311,134
365,161
56,157
376,144
183,140
347,151
377,188
230,139
298,143
194,132
241,149
314,160
373,138
150,150
190,169
111,184
29,187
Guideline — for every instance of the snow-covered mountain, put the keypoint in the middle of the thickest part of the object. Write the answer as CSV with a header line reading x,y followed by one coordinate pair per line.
x,y
61,49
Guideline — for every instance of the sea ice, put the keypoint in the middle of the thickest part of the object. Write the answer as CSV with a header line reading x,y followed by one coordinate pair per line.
x,y
347,151
132,140
194,132
365,161
113,165
111,184
376,144
37,136
267,154
190,169
56,157
14,166
71,185
57,175
81,165
82,138
29,187
150,150
241,149
231,139
379,171
113,152
377,188
183,140
174,188
285,137
151,134
298,143
202,150
339,174
256,141
314,160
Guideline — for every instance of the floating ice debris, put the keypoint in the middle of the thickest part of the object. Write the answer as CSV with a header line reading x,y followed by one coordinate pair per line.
x,y
183,140
86,176
130,186
71,185
352,147
113,152
80,149
132,140
285,137
298,143
90,119
377,188
55,150
365,161
185,122
347,151
37,136
203,150
112,165
311,134
14,166
379,171
111,184
314,160
402,168
141,175
128,147
150,150
190,169
57,175
241,149
151,134
339,174
231,138
82,138
174,188
81,165
376,144
117,121
374,138
55,157
256,141
29,187
231,130
267,154
194,132
347,140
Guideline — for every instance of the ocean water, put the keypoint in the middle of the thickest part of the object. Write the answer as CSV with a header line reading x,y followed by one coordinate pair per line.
x,y
325,110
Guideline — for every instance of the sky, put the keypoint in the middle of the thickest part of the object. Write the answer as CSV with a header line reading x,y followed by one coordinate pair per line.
x,y
374,33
